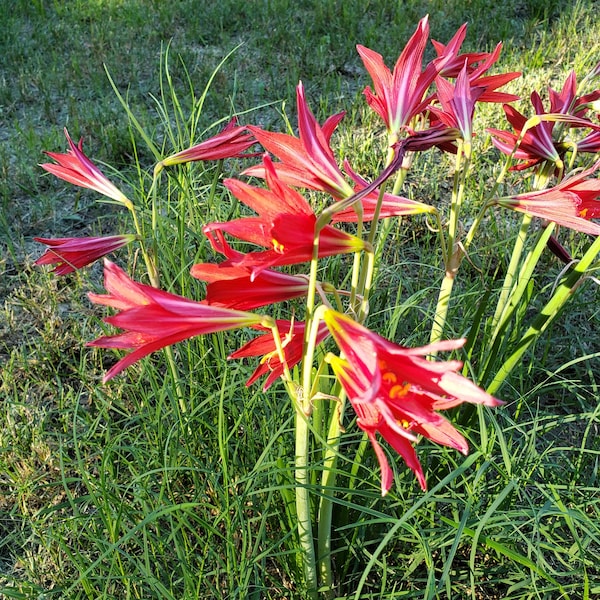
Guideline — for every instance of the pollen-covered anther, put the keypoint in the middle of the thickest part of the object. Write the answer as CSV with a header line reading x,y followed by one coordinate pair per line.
x,y
278,246
398,391
268,357
389,378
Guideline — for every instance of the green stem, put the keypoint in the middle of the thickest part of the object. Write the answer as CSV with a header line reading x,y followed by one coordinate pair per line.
x,y
547,315
303,512
441,308
303,410
453,251
513,299
326,504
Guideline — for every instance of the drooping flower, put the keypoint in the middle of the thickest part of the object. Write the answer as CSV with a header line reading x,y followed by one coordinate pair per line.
x,y
153,319
292,337
398,96
571,203
231,142
397,392
285,225
234,287
75,167
391,206
306,161
69,254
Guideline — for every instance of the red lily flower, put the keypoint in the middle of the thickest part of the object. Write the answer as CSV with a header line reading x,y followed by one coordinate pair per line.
x,y
69,254
571,203
567,102
457,103
231,142
477,63
590,143
398,96
75,167
285,224
392,205
491,83
154,319
539,144
234,287
292,336
306,161
397,392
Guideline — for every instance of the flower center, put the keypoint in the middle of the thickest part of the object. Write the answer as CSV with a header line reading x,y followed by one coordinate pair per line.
x,y
278,246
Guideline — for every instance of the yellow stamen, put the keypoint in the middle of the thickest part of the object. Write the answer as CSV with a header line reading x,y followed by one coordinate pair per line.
x,y
278,246
398,391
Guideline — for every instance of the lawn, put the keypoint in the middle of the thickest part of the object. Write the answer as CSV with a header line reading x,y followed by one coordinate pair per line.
x,y
176,480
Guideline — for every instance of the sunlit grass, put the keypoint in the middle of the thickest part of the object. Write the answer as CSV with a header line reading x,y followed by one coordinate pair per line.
x,y
111,491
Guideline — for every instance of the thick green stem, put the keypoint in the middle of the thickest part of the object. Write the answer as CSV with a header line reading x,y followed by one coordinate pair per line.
x,y
441,309
303,508
326,504
453,250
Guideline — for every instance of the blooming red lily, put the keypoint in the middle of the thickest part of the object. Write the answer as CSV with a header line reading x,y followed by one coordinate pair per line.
x,y
307,161
292,337
539,143
391,206
398,96
450,63
457,103
231,142
571,203
397,392
69,254
154,319
285,224
75,167
234,287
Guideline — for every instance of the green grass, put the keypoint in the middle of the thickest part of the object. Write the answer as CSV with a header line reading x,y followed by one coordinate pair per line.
x,y
110,491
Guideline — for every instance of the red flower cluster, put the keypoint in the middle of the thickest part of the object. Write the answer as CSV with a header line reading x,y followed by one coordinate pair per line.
x,y
404,94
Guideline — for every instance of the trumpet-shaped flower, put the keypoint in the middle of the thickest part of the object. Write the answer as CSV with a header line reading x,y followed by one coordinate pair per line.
x,y
75,167
292,338
457,103
153,319
391,206
234,287
285,224
536,145
69,254
397,392
571,203
398,96
231,142
306,161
